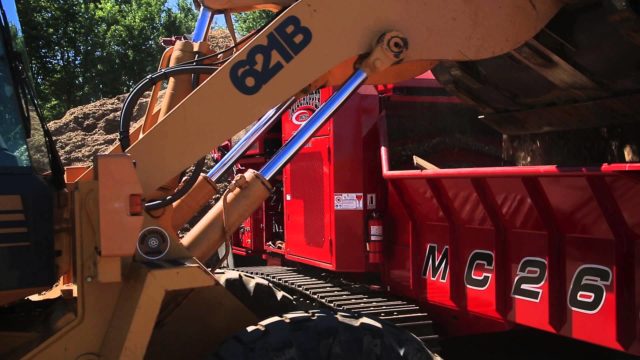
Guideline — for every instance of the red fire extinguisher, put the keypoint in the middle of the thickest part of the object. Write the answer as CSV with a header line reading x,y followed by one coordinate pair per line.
x,y
374,242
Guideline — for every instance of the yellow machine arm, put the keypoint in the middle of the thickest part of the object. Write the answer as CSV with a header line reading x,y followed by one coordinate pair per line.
x,y
323,40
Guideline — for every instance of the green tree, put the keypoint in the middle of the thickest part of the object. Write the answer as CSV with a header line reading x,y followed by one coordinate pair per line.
x,y
84,50
248,21
54,32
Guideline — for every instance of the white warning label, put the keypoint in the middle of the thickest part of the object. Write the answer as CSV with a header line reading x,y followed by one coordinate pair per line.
x,y
348,201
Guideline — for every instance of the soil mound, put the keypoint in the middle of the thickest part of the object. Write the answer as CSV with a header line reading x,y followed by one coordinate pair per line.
x,y
92,129
220,39
88,130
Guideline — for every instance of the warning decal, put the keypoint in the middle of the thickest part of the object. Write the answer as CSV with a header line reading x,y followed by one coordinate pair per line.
x,y
348,201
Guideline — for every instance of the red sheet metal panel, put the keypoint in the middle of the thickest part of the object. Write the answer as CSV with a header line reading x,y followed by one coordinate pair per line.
x,y
556,251
331,184
551,248
306,180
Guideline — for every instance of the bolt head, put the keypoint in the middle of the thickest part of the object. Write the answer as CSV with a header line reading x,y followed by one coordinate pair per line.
x,y
153,242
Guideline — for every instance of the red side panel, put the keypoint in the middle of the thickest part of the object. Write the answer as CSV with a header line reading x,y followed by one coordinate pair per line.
x,y
553,249
332,187
307,180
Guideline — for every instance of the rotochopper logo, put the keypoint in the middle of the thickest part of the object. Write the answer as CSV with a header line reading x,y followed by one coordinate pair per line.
x,y
302,110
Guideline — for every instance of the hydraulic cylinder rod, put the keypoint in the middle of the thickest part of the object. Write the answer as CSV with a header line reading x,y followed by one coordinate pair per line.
x,y
247,192
262,126
204,189
202,25
226,216
315,122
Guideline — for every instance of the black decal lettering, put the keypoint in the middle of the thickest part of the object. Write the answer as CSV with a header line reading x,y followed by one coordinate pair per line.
x,y
478,257
250,80
294,35
268,70
437,266
246,78
275,44
588,292
288,39
532,273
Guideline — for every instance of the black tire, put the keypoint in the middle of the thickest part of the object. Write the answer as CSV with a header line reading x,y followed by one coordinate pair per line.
x,y
322,335
257,294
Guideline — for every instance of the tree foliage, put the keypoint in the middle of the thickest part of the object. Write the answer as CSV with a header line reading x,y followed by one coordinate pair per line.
x,y
248,21
84,50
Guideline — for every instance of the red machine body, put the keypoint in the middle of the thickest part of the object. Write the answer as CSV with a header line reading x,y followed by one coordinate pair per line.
x,y
483,248
263,232
554,249
331,186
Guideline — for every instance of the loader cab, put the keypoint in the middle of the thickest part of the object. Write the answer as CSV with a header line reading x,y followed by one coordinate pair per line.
x,y
30,173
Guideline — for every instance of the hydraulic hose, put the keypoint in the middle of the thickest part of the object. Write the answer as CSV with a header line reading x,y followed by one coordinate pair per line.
x,y
145,85
127,113
182,190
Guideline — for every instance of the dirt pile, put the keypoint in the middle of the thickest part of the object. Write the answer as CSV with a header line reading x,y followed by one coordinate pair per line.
x,y
86,131
92,129
220,39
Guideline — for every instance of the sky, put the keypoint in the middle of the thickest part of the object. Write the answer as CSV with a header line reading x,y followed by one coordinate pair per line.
x,y
172,4
10,9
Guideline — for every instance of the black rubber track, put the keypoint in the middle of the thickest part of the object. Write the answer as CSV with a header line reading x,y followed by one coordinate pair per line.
x,y
313,291
322,335
258,295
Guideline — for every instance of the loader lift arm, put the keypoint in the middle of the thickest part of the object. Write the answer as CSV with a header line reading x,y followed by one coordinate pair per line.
x,y
456,29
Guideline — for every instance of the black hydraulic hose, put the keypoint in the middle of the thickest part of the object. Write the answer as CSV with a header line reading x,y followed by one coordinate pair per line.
x,y
203,58
127,113
190,66
195,79
145,85
188,184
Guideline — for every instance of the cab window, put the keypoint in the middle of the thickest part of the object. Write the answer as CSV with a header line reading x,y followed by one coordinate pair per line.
x,y
13,137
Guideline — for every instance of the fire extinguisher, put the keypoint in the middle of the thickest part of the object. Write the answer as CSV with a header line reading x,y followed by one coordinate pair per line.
x,y
374,242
